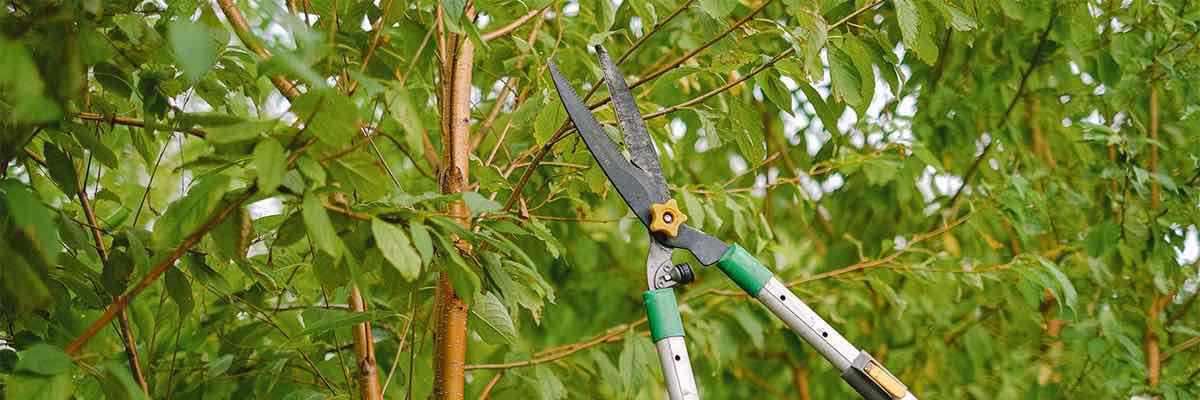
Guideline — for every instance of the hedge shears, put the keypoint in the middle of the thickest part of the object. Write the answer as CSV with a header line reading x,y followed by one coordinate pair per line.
x,y
639,181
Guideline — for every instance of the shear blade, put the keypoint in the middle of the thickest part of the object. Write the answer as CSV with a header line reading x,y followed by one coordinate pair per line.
x,y
631,182
639,181
637,139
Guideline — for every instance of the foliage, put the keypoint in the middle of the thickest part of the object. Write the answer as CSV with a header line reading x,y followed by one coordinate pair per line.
x,y
994,198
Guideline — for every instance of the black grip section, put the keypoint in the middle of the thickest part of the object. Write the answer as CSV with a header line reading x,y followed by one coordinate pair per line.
x,y
858,379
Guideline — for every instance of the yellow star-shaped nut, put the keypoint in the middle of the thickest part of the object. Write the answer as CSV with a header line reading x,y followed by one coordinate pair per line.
x,y
666,218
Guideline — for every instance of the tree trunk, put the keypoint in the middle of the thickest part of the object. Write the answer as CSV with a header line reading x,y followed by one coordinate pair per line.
x,y
364,350
450,348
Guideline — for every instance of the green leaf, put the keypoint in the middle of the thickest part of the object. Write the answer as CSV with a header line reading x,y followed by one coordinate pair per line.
x,y
634,361
548,120
606,14
861,59
479,204
916,31
828,117
549,387
43,359
454,9
239,132
305,394
1107,69
193,47
179,289
1100,238
693,210
33,217
270,161
774,90
421,239
813,31
61,169
959,20
880,171
1068,289
312,170
321,320
394,245
217,367
117,383
187,215
116,273
232,236
718,9
551,242
329,115
33,387
752,326
92,143
491,320
137,251
847,84
708,129
599,38
320,228
401,108
747,132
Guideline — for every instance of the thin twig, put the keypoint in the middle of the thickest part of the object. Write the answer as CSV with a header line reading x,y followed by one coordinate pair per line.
x,y
242,30
487,390
613,334
561,352
512,26
127,121
952,205
124,330
561,133
123,301
376,39
400,347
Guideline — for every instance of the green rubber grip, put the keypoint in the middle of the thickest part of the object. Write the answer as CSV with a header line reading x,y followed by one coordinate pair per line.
x,y
744,269
663,314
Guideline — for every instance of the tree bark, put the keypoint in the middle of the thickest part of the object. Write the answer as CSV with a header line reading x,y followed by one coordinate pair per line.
x,y
123,328
450,339
1153,162
364,351
1153,351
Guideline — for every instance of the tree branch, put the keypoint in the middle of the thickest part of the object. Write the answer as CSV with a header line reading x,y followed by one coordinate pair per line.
x,y
486,126
450,339
123,301
561,352
689,55
487,390
952,205
127,121
561,133
1152,163
613,334
512,26
242,30
364,350
124,330
376,40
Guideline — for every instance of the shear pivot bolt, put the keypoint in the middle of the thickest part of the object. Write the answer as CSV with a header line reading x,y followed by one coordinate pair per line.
x,y
666,218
